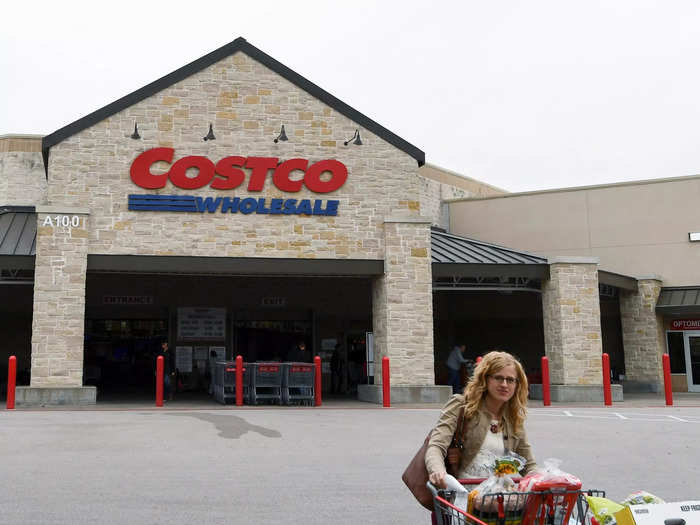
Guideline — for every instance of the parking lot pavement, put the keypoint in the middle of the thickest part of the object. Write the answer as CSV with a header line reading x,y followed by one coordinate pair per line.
x,y
308,466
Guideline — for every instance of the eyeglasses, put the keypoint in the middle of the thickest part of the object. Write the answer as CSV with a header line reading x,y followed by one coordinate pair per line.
x,y
499,379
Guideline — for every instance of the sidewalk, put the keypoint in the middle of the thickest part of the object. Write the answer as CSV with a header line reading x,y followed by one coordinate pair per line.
x,y
203,402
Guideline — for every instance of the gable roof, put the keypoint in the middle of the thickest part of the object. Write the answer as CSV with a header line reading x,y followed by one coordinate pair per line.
x,y
239,44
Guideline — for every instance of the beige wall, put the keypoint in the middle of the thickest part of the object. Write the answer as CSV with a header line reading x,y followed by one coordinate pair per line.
x,y
635,229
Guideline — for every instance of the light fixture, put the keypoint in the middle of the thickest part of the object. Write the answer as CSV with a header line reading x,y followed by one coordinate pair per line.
x,y
694,236
355,139
282,136
135,135
210,135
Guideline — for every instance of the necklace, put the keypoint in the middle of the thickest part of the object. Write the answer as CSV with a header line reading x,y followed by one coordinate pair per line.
x,y
495,427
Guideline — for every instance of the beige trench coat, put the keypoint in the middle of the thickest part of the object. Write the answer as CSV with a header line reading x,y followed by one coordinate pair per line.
x,y
475,430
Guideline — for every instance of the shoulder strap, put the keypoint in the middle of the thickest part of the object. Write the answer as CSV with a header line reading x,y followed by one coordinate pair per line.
x,y
458,438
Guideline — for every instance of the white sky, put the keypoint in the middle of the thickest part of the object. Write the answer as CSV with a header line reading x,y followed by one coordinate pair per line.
x,y
520,94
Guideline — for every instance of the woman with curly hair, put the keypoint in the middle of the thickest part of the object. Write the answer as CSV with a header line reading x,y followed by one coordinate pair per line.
x,y
494,404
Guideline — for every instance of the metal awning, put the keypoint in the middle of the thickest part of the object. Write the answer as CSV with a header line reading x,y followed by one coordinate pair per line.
x,y
454,256
679,301
17,230
17,237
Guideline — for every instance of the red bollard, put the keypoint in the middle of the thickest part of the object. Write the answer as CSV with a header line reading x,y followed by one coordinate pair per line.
x,y
607,393
239,381
478,360
317,381
11,382
546,394
160,364
667,380
386,385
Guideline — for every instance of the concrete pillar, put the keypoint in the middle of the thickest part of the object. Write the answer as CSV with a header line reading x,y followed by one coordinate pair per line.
x,y
402,313
571,315
643,336
59,309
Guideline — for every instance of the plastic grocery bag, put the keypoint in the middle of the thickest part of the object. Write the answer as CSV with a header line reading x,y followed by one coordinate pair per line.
x,y
461,494
548,477
641,497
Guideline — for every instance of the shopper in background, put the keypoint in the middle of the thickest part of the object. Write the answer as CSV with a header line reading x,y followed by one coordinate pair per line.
x,y
494,405
336,370
300,354
454,367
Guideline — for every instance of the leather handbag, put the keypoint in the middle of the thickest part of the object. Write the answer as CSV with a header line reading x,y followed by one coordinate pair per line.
x,y
416,474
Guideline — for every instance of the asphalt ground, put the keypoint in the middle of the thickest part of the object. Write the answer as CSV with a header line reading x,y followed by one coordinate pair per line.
x,y
300,466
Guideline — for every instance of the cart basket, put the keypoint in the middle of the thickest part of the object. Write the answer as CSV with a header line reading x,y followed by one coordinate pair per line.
x,y
549,507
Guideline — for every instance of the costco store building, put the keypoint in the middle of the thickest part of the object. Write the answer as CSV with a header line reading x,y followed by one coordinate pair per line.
x,y
233,206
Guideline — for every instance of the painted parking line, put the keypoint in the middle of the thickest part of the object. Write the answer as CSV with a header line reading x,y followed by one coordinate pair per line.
x,y
631,417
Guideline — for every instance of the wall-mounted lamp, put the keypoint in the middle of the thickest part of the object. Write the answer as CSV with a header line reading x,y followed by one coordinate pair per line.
x,y
694,236
355,139
210,135
135,135
282,136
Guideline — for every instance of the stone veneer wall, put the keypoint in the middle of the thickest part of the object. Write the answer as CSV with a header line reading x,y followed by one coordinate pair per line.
x,y
402,305
571,316
59,301
22,175
247,103
432,195
643,334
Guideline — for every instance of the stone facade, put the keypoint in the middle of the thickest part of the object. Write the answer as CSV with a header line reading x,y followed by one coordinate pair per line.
x,y
59,298
247,103
643,336
22,176
571,315
402,304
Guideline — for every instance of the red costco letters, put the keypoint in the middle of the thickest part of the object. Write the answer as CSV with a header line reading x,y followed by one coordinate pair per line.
x,y
228,174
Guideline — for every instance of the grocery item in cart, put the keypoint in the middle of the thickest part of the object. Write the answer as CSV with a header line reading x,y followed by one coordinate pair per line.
x,y
603,510
554,493
499,482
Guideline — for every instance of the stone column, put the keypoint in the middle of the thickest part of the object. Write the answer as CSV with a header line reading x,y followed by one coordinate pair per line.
x,y
571,315
643,336
59,309
402,313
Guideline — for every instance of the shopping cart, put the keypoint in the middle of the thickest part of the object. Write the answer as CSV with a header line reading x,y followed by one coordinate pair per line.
x,y
548,507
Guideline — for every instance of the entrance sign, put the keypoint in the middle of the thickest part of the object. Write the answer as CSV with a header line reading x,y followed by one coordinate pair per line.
x,y
685,324
127,299
201,323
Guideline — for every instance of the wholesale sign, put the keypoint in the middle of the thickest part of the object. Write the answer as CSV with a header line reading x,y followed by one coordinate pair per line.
x,y
227,174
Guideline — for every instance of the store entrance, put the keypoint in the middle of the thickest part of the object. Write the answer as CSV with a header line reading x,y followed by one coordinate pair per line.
x,y
692,359
120,355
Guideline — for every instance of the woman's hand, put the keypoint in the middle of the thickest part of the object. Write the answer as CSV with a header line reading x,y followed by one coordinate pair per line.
x,y
438,479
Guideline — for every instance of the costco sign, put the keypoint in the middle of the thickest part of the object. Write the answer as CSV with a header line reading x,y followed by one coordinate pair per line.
x,y
323,176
